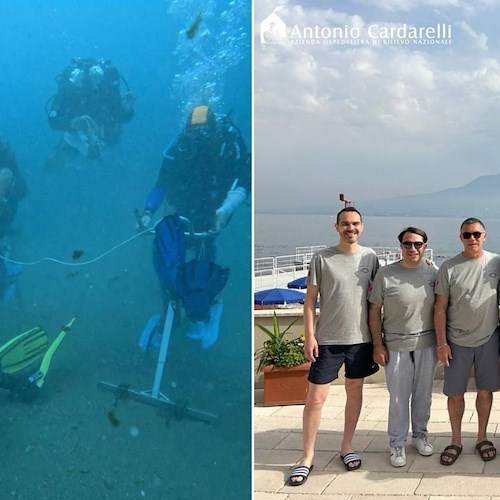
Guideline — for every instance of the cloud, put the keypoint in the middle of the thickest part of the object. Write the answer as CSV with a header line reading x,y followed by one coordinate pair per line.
x,y
374,117
466,6
476,41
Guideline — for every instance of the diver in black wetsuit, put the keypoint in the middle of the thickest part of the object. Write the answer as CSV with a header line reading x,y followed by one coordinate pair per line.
x,y
204,177
12,186
12,191
205,174
88,107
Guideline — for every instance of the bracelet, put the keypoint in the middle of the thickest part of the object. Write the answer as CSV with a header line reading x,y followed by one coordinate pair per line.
x,y
441,346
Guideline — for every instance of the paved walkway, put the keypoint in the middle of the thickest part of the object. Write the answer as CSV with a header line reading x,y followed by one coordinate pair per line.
x,y
277,433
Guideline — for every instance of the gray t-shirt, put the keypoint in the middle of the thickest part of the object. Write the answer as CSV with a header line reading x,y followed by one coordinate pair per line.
x,y
343,280
471,288
407,297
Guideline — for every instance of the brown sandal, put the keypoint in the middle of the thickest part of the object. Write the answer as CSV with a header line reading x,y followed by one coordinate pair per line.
x,y
484,448
452,456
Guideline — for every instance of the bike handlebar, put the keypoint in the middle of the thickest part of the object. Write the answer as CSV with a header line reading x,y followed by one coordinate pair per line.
x,y
195,234
188,232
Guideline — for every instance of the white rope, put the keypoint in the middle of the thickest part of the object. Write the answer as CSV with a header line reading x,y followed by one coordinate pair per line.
x,y
149,230
66,263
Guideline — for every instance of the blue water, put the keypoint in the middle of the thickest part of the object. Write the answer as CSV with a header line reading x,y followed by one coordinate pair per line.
x,y
63,445
279,234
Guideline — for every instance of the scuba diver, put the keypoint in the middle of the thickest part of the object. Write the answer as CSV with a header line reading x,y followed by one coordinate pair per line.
x,y
88,108
12,190
25,361
204,177
12,186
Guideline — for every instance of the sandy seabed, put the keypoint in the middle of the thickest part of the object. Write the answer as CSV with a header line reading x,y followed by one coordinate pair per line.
x,y
64,445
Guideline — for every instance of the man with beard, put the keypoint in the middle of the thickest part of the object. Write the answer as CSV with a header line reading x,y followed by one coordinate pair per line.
x,y
341,276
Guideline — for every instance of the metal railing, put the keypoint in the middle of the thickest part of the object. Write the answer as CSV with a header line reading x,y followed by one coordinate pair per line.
x,y
299,261
270,272
388,255
276,271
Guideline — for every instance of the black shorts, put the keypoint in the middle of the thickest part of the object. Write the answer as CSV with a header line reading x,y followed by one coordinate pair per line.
x,y
357,358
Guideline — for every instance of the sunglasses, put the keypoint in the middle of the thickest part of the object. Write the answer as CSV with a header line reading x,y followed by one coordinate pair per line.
x,y
417,244
466,235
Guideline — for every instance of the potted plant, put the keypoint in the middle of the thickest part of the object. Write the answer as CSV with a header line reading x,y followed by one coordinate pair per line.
x,y
284,365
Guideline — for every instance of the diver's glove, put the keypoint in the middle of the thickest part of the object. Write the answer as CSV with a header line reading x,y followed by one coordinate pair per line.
x,y
235,197
144,220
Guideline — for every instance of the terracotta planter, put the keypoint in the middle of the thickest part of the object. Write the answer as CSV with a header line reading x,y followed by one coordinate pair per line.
x,y
285,386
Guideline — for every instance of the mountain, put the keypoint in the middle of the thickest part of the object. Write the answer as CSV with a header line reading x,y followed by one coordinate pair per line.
x,y
478,198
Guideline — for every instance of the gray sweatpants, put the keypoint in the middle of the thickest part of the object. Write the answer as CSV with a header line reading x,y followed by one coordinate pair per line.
x,y
409,375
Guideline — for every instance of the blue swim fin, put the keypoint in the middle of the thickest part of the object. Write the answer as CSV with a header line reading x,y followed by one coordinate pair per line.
x,y
207,331
198,283
169,252
147,335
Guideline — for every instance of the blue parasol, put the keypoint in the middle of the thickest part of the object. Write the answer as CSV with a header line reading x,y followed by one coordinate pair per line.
x,y
299,283
276,296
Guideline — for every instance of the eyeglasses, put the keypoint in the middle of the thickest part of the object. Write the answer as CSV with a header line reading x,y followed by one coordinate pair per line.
x,y
417,244
466,235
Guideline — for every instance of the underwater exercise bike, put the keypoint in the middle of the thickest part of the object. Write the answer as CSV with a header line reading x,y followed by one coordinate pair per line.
x,y
191,286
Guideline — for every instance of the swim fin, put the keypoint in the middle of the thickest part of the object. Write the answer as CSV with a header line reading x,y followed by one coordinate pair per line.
x,y
23,350
148,334
198,283
39,376
17,355
169,252
207,331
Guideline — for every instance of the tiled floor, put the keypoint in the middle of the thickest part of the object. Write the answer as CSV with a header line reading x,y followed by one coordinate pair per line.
x,y
278,444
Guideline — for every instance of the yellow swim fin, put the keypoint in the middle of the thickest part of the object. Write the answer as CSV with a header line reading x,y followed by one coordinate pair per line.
x,y
39,376
23,350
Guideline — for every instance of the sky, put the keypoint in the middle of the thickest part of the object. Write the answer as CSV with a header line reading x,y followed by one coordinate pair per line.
x,y
373,120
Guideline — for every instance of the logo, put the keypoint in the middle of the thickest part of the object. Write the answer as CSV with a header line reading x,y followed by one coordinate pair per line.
x,y
272,29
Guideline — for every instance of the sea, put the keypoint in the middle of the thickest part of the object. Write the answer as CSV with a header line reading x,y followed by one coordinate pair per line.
x,y
75,233
280,234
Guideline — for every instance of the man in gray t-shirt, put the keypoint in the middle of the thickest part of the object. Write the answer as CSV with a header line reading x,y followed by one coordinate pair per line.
x,y
404,341
340,276
466,323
